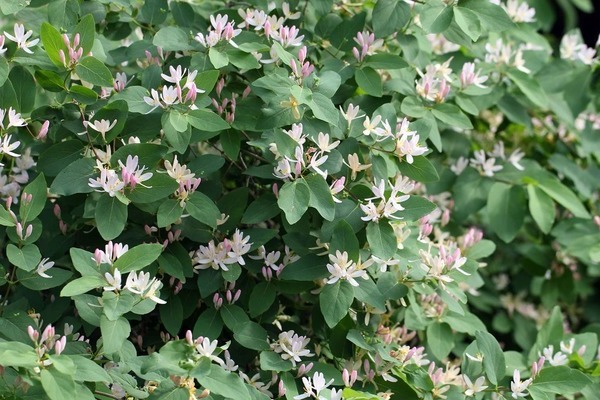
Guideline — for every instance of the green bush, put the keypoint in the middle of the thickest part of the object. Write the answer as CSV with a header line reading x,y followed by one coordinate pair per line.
x,y
321,199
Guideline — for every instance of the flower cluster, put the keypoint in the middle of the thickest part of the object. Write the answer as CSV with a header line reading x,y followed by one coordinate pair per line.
x,y
219,256
177,93
136,283
110,182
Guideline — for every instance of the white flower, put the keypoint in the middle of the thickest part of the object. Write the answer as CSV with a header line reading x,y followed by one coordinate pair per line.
x,y
324,144
7,147
351,114
170,95
176,74
519,12
313,387
555,359
108,181
110,254
177,171
131,173
517,387
371,126
485,166
238,246
211,256
114,281
568,347
341,268
21,37
207,348
14,118
291,347
153,101
473,388
44,266
515,157
285,7
137,283
102,126
316,161
355,165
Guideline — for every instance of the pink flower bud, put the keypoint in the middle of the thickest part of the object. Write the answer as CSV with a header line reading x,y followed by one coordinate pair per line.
x,y
246,92
33,334
60,345
189,337
282,389
43,131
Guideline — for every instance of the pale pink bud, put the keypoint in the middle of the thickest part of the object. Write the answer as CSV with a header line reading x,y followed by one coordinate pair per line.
x,y
48,333
76,40
43,131
219,87
237,295
282,389
189,337
63,227
9,202
267,29
228,296
246,92
33,334
60,345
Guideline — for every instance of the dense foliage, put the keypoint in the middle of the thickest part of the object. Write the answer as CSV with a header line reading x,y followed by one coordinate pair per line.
x,y
315,199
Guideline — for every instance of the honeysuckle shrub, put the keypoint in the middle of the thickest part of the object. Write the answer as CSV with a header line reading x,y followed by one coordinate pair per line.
x,y
314,199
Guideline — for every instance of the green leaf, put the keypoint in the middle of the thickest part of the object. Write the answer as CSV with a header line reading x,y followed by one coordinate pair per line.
x,y
468,21
530,87
492,17
74,178
494,364
320,196
25,88
541,208
294,198
209,324
53,43
58,386
114,333
389,16
217,58
206,120
168,213
440,339
171,38
83,95
59,156
154,12
506,210
262,297
111,216
94,71
87,370
564,196
308,268
369,80
17,354
385,61
49,80
421,170
561,380
252,336
3,69
261,209
436,16
452,115
344,239
390,288
171,315
138,257
157,188
37,188
220,382
82,285
87,32
323,109
415,208
233,316
271,361
335,301
116,304
26,258
179,140
63,13
203,209
5,218
382,239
